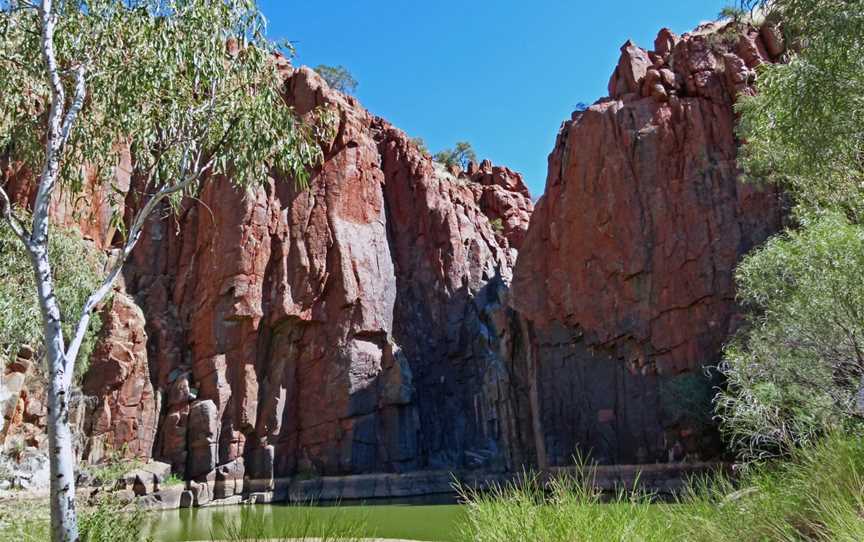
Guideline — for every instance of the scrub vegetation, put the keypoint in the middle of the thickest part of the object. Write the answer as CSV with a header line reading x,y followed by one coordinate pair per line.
x,y
77,274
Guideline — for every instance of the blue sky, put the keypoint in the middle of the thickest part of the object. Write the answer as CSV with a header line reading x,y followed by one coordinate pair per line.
x,y
500,74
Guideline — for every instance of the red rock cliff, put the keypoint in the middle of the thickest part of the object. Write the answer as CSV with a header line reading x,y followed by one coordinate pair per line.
x,y
342,329
368,324
625,278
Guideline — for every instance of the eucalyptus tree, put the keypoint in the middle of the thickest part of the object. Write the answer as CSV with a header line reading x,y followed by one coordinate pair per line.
x,y
461,155
795,369
338,78
805,127
190,87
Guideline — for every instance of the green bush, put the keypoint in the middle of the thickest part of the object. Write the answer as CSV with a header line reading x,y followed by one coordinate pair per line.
x,y
816,495
338,78
460,155
795,368
687,399
105,520
76,270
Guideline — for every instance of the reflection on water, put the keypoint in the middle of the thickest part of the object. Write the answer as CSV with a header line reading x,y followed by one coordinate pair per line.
x,y
435,522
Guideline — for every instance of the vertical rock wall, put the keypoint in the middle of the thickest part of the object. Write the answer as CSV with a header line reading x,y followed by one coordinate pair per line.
x,y
368,323
625,279
346,328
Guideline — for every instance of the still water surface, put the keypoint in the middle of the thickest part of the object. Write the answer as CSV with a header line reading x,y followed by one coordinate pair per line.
x,y
423,522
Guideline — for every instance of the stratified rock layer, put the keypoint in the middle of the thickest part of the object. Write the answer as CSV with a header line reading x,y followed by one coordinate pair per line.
x,y
625,280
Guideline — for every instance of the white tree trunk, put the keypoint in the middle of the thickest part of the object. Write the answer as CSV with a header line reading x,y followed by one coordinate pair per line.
x,y
64,525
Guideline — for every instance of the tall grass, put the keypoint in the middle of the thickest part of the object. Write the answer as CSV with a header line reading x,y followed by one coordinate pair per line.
x,y
817,495
566,508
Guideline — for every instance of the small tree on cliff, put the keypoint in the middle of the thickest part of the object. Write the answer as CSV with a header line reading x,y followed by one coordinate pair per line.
x,y
338,77
190,87
460,155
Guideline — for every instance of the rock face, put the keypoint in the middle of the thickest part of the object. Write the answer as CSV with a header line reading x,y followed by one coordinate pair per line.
x,y
123,417
347,328
625,280
368,324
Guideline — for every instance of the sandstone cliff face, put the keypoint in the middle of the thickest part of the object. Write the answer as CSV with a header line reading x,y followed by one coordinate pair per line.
x,y
625,279
347,328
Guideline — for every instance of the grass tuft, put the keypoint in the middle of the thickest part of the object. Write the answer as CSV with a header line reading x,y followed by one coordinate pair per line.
x,y
817,495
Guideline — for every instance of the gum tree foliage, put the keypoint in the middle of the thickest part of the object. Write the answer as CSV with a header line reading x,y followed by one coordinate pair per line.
x,y
795,370
77,272
189,86
461,155
805,127
338,77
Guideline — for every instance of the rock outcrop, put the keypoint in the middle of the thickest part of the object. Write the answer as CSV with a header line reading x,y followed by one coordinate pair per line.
x,y
346,328
123,415
625,280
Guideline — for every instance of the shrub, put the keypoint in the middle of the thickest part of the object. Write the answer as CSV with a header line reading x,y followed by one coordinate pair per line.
x,y
687,399
795,368
420,143
111,521
76,269
338,77
460,155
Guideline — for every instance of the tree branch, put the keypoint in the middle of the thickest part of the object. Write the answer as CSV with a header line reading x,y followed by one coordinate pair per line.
x,y
48,177
114,272
6,211
77,103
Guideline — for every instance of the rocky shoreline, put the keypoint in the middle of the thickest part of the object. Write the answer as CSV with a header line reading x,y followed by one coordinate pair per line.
x,y
147,490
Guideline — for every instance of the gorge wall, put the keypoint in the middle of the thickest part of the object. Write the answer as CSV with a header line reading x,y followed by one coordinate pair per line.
x,y
381,321
625,280
351,327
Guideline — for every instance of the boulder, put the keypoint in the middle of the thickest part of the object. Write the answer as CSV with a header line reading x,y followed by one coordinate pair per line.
x,y
632,67
229,479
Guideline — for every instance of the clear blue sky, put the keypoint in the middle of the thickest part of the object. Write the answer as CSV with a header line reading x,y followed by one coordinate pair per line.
x,y
500,74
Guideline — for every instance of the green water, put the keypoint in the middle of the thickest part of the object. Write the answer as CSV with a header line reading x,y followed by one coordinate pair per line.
x,y
424,522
